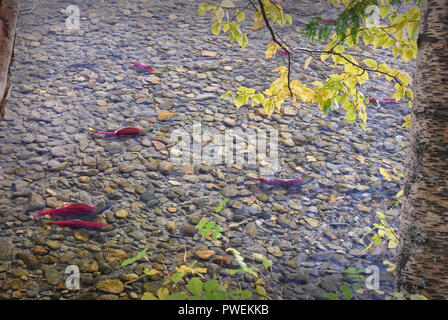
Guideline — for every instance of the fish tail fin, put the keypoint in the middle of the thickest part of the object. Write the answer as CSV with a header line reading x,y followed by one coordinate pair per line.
x,y
107,208
35,214
307,180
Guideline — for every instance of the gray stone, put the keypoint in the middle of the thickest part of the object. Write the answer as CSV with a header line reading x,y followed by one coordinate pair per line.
x,y
6,247
52,275
34,203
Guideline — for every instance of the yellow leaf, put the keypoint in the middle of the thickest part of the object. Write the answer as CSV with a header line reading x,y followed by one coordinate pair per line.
x,y
384,11
240,16
324,56
389,43
407,123
268,106
149,296
271,50
240,100
367,38
257,99
407,54
412,28
258,21
162,293
391,265
339,48
371,63
385,174
307,62
187,269
404,77
399,93
409,93
279,103
392,244
413,13
282,69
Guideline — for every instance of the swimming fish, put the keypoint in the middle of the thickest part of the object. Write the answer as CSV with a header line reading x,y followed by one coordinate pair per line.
x,y
283,182
66,210
130,131
376,101
143,66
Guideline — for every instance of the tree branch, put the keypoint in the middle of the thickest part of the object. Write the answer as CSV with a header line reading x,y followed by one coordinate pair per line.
x,y
266,20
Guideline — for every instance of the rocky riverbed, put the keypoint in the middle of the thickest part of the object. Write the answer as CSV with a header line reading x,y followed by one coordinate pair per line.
x,y
66,81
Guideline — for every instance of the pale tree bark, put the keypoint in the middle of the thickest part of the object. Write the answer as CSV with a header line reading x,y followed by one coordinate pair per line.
x,y
9,14
422,264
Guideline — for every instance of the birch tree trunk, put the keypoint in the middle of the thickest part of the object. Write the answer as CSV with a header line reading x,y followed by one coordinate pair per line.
x,y
422,264
9,14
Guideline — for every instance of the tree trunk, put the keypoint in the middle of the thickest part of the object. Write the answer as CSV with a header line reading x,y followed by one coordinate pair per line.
x,y
422,264
9,14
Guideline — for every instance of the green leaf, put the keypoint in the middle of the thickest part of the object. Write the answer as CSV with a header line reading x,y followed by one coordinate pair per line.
x,y
326,106
133,259
201,224
216,235
211,285
211,225
261,291
150,272
357,288
216,28
346,291
371,63
234,271
204,232
244,41
204,7
220,295
331,295
350,115
149,296
246,294
177,277
209,296
177,296
240,16
384,11
167,281
221,205
162,293
195,286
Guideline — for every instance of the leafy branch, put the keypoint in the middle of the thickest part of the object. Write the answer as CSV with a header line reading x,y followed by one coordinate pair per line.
x,y
268,25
